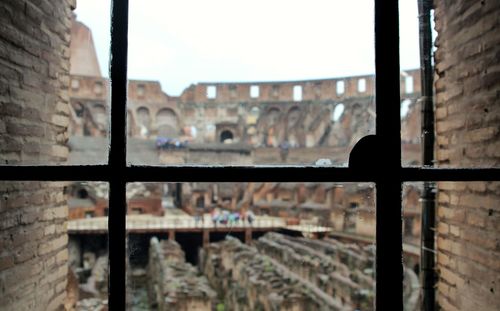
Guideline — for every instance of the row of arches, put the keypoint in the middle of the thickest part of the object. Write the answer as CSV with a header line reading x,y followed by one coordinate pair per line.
x,y
166,122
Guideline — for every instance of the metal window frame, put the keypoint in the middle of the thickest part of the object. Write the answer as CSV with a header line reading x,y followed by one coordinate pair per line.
x,y
384,170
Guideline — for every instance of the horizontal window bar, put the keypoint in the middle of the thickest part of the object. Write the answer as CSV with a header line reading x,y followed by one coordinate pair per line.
x,y
242,174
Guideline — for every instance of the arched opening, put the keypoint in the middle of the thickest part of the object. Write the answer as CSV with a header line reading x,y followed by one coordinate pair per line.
x,y
78,108
143,120
99,116
226,137
338,112
143,116
167,123
405,107
255,111
200,202
82,193
273,115
293,117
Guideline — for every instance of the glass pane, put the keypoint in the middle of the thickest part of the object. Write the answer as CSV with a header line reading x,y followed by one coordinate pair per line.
x,y
89,87
412,223
53,238
227,246
464,87
465,235
467,244
213,86
88,245
411,110
54,94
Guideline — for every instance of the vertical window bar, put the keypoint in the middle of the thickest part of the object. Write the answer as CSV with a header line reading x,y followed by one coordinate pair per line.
x,y
117,156
389,266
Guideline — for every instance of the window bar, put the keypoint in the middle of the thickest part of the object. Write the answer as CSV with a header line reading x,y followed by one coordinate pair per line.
x,y
428,214
239,173
389,244
117,156
389,265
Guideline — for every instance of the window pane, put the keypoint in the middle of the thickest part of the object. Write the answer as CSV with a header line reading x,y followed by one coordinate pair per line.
x,y
54,247
202,81
464,88
411,110
88,245
466,235
89,87
412,215
306,244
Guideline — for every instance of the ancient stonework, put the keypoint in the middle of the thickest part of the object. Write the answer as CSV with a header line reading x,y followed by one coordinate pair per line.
x,y
174,284
34,115
468,135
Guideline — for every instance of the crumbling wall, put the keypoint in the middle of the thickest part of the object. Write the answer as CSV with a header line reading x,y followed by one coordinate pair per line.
x,y
344,274
174,284
467,118
249,280
34,81
320,89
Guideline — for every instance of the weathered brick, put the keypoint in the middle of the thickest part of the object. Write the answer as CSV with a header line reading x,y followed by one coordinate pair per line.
x,y
62,256
481,134
451,277
60,120
474,219
455,230
53,245
50,229
60,151
454,214
443,228
6,262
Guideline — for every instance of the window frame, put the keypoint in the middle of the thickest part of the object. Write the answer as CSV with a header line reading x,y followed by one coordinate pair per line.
x,y
389,267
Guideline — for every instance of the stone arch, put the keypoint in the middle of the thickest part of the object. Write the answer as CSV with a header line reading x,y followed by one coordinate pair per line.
x,y
167,122
100,116
293,116
273,115
225,135
78,108
255,111
143,120
200,202
338,112
131,123
143,116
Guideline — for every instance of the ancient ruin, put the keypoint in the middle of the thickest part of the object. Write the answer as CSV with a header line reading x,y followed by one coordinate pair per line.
x,y
309,245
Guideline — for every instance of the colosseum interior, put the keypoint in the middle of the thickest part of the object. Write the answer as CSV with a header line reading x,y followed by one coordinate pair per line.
x,y
250,245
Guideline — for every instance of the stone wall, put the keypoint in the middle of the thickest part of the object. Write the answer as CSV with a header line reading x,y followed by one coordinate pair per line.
x,y
467,118
174,284
246,279
33,245
337,273
34,80
321,89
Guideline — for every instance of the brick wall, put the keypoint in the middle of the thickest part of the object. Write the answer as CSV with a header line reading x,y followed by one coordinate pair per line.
x,y
34,80
467,126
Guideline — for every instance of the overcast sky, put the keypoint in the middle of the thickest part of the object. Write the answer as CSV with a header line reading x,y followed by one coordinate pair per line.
x,y
180,42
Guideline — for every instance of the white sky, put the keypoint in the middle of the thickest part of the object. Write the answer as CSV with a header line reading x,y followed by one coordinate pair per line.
x,y
180,42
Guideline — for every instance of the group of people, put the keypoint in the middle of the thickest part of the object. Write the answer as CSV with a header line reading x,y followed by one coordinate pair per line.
x,y
170,143
232,218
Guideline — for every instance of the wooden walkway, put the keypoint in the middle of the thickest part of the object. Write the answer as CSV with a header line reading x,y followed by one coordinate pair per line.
x,y
152,224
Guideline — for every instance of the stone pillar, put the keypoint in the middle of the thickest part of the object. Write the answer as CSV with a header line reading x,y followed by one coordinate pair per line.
x,y
34,115
467,135
206,237
248,235
171,234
